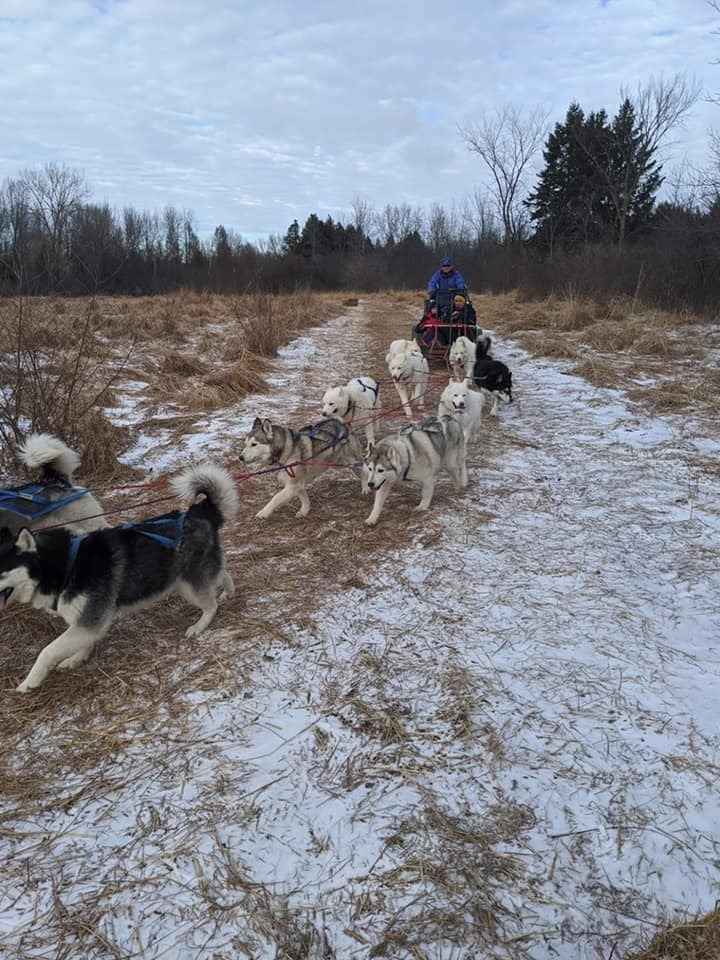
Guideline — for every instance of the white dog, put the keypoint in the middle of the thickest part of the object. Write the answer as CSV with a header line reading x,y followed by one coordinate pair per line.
x,y
408,368
398,346
359,397
458,400
462,357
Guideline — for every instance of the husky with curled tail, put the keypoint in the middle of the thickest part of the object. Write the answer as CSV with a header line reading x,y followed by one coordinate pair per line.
x,y
91,579
51,497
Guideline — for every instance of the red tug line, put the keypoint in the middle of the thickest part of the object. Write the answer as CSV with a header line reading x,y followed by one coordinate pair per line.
x,y
359,423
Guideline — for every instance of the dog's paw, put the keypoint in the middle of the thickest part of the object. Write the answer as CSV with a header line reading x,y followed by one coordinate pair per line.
x,y
421,509
24,687
302,513
262,515
194,631
371,521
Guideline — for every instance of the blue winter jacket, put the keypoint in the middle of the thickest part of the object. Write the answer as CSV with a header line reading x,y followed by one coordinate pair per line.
x,y
442,282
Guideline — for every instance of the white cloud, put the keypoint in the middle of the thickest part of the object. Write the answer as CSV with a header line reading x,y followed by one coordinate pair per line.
x,y
252,115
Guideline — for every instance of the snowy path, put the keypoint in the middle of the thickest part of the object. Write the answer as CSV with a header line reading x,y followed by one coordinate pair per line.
x,y
504,734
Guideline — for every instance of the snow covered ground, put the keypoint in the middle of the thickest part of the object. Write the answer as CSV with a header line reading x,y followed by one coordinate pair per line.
x,y
504,737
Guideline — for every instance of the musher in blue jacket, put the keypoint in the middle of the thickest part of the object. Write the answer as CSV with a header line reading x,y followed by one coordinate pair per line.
x,y
446,278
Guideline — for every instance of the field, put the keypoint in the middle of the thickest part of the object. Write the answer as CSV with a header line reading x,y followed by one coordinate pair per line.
x,y
487,732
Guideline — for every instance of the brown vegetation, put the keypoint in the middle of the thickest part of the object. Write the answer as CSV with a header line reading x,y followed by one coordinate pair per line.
x,y
193,350
658,357
697,939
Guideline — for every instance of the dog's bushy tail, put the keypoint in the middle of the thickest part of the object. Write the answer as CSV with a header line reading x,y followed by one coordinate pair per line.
x,y
43,450
212,480
483,347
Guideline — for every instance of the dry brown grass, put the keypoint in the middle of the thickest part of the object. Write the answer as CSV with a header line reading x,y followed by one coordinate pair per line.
x,y
88,713
455,861
611,342
182,365
697,939
58,374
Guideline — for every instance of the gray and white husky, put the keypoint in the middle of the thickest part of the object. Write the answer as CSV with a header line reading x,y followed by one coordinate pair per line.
x,y
304,453
91,579
417,452
52,464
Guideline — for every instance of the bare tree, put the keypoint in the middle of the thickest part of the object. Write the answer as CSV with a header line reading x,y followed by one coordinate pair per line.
x,y
661,105
439,232
507,141
715,5
479,217
387,224
708,180
16,231
55,194
363,219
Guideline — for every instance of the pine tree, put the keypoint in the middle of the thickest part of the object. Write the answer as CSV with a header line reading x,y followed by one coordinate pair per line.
x,y
599,181
566,206
310,237
634,177
291,240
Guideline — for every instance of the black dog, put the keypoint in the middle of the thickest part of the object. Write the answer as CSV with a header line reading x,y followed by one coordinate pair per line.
x,y
493,376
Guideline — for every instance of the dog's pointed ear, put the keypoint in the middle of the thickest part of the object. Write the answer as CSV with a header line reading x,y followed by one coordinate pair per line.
x,y
257,424
369,447
267,428
25,542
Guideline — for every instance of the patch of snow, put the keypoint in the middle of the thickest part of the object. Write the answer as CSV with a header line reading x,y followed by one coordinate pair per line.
x,y
587,621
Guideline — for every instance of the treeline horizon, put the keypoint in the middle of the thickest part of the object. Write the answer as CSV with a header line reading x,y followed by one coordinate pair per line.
x,y
589,224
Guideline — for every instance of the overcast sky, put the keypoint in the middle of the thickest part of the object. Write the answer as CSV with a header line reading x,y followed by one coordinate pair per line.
x,y
251,114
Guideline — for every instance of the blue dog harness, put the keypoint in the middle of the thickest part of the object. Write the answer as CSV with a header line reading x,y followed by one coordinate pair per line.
x,y
323,431
173,522
31,501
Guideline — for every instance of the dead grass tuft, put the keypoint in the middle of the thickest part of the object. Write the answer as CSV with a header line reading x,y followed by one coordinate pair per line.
x,y
598,371
235,381
697,939
550,345
57,377
454,860
181,365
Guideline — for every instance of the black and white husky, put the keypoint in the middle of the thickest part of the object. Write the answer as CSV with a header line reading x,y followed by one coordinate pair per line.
x,y
91,579
418,452
52,498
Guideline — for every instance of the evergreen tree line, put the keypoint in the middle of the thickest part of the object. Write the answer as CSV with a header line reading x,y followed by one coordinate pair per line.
x,y
590,223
